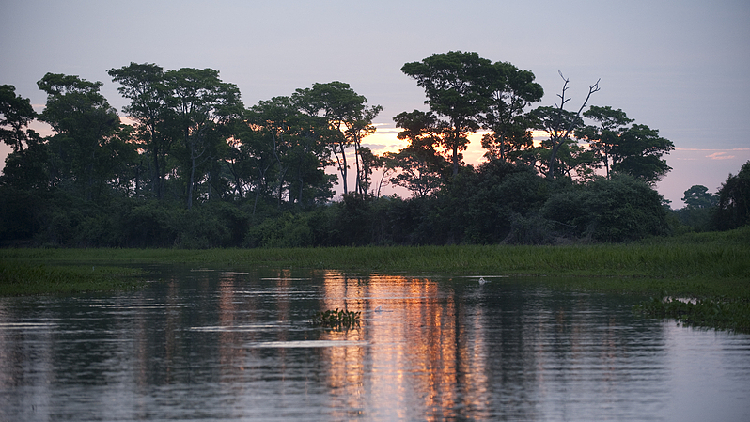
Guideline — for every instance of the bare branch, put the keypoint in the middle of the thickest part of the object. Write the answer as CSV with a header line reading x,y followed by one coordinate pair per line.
x,y
564,88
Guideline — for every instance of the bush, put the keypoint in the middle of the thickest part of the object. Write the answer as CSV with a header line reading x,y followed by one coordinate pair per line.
x,y
289,230
608,210
733,209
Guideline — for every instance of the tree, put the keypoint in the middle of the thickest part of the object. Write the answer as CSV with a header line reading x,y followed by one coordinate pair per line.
x,y
349,121
356,130
85,126
512,91
618,209
638,153
420,168
25,167
296,143
634,150
699,209
15,115
603,138
150,106
733,208
697,197
204,107
458,91
560,123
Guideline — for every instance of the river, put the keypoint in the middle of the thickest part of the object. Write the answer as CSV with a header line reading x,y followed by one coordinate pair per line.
x,y
212,345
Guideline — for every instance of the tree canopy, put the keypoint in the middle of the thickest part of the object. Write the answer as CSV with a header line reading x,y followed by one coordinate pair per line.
x,y
192,166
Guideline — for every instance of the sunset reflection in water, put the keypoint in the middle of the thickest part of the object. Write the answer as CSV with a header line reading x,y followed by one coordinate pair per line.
x,y
242,346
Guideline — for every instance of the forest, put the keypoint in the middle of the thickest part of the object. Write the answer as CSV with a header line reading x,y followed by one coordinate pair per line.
x,y
188,165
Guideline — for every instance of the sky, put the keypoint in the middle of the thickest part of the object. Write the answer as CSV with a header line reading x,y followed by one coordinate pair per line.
x,y
681,67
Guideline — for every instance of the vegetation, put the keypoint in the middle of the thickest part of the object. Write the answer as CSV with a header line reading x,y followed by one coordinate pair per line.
x,y
24,278
720,313
711,268
695,257
336,318
194,168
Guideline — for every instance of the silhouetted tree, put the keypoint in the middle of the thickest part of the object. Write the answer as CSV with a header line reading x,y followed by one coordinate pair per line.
x,y
734,201
83,149
458,88
560,123
512,91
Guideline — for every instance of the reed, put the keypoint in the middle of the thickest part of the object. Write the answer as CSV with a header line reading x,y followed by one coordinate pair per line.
x,y
22,278
702,264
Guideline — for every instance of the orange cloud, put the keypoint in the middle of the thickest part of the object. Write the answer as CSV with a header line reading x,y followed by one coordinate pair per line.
x,y
720,155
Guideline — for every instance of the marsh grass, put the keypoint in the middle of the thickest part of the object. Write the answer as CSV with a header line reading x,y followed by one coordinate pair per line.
x,y
22,278
722,313
705,255
711,267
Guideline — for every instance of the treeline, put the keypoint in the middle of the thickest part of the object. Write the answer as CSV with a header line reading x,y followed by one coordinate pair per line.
x,y
195,168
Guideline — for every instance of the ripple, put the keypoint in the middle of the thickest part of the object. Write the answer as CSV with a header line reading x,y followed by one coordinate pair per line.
x,y
305,344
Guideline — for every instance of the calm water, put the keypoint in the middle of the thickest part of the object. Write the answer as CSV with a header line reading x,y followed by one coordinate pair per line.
x,y
213,345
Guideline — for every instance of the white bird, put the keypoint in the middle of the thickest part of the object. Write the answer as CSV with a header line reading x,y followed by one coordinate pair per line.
x,y
482,281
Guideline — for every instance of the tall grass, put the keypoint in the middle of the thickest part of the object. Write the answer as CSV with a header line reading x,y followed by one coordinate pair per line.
x,y
700,258
23,278
711,267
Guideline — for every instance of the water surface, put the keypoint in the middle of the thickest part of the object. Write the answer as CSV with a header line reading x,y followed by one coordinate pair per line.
x,y
214,345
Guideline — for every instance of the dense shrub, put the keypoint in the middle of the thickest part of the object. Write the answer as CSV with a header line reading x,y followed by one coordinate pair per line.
x,y
497,202
733,209
608,210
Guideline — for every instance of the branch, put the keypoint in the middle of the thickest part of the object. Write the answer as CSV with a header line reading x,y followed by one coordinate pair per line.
x,y
592,89
564,88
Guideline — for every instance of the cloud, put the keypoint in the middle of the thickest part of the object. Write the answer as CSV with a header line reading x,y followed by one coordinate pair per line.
x,y
720,155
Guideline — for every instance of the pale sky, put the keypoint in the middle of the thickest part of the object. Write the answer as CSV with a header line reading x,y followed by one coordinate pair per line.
x,y
682,67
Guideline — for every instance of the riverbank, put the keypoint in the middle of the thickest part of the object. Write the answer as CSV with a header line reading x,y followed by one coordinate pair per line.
x,y
708,268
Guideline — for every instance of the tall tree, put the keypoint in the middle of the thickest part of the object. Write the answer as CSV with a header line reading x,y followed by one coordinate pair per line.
x,y
639,153
15,115
458,90
560,123
733,208
296,143
26,166
204,106
349,120
356,130
420,168
604,137
150,106
85,125
512,91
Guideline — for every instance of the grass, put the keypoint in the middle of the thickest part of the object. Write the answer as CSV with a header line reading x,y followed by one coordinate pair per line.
x,y
20,278
711,267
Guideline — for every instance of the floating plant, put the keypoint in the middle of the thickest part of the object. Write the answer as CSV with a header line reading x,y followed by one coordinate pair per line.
x,y
337,318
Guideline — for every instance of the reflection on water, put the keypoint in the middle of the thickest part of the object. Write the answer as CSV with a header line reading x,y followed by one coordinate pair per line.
x,y
212,345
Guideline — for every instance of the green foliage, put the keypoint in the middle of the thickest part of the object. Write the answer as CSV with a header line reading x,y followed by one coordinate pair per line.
x,y
733,208
337,318
288,231
719,312
702,264
20,278
698,197
458,88
197,170
614,210
19,214
16,114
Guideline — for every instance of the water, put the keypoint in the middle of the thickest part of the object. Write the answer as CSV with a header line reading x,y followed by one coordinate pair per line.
x,y
213,345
